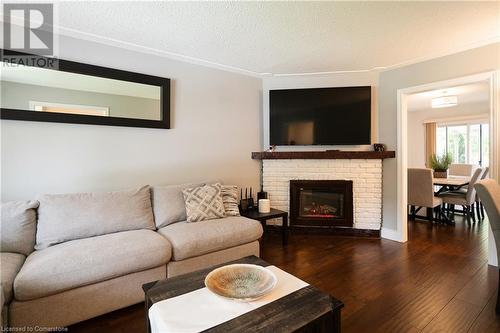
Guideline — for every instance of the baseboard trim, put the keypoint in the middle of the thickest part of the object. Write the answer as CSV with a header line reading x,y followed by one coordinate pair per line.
x,y
391,234
338,231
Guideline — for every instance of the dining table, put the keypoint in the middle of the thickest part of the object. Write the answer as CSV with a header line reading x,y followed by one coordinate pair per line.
x,y
451,183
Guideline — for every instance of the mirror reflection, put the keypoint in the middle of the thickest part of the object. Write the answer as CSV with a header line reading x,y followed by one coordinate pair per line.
x,y
44,90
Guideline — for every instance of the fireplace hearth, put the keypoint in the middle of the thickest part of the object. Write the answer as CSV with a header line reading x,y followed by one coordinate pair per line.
x,y
321,203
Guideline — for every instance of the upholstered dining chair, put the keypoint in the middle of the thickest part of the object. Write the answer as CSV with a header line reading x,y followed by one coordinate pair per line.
x,y
477,203
466,199
488,191
460,169
480,207
421,193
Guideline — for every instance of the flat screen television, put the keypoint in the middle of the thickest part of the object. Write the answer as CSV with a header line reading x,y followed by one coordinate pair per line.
x,y
320,116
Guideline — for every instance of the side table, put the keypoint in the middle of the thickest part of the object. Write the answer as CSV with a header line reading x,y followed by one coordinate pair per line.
x,y
273,214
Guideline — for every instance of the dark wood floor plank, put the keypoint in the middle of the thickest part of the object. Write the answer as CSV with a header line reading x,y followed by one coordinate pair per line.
x,y
425,303
487,321
457,317
481,287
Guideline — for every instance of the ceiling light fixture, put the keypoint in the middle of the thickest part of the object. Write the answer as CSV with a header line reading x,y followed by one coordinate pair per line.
x,y
444,102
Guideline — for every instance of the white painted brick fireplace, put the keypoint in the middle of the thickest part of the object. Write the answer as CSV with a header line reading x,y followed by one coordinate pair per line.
x,y
366,175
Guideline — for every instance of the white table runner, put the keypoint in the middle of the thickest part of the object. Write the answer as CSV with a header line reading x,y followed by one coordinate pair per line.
x,y
200,309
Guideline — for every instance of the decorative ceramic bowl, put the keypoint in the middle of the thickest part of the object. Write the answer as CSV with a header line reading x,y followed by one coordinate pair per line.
x,y
241,281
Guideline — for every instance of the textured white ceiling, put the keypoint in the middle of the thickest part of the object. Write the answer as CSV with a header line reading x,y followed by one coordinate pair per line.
x,y
475,93
289,37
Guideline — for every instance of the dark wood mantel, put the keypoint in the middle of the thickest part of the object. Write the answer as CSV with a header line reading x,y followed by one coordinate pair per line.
x,y
323,155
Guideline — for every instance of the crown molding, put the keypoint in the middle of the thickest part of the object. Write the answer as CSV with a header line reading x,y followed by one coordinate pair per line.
x,y
463,48
154,51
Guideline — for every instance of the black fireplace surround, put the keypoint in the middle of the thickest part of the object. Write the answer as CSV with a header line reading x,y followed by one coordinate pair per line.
x,y
321,203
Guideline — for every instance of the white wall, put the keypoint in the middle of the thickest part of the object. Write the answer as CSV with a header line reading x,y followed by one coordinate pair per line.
x,y
416,126
215,126
320,81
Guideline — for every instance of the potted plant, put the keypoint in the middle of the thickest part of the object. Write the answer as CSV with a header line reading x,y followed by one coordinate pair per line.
x,y
440,165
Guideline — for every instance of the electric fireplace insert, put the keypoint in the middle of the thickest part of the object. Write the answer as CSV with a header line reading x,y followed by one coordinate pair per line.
x,y
321,203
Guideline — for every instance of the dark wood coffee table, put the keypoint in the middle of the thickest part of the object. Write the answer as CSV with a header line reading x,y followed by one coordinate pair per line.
x,y
305,310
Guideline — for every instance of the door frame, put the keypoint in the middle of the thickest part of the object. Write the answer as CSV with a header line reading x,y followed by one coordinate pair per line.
x,y
402,143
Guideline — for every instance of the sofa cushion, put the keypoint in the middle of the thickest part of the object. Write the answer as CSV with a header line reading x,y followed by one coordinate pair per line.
x,y
10,264
194,239
18,226
64,217
168,202
86,261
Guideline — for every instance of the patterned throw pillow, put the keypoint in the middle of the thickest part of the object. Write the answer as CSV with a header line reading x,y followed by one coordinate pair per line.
x,y
203,202
230,200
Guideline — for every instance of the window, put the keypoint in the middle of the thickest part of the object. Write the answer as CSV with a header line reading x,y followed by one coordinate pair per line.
x,y
467,143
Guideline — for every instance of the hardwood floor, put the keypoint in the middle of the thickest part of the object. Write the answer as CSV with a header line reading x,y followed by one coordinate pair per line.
x,y
437,282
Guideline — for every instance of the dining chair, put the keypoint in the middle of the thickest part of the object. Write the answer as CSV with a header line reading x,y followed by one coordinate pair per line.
x,y
466,199
460,169
488,191
421,194
479,203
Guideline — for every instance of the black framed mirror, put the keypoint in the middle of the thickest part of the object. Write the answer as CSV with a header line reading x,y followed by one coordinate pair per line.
x,y
80,93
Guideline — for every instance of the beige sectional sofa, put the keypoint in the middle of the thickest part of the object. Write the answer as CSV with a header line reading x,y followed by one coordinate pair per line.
x,y
68,258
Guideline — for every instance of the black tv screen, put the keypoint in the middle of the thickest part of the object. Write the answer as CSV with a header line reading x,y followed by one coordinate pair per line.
x,y
320,116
